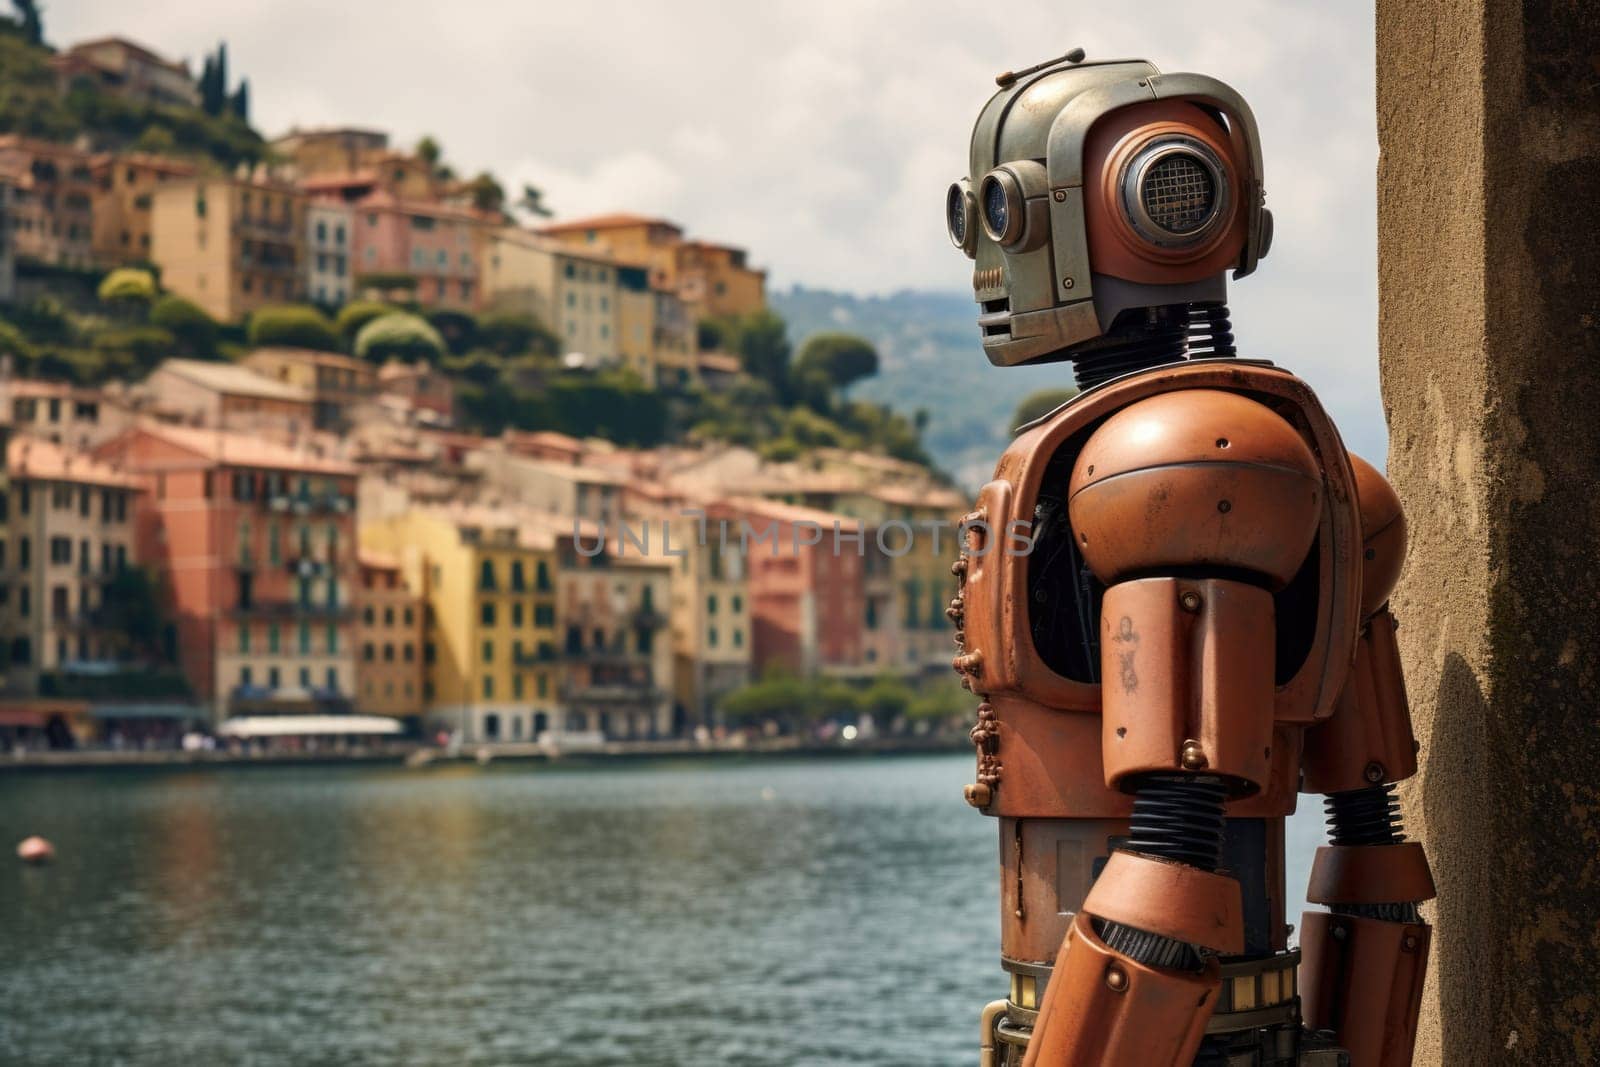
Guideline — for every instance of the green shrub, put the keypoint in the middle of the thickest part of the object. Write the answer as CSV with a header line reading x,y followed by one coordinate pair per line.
x,y
127,285
144,346
13,344
399,336
293,326
512,333
357,314
194,331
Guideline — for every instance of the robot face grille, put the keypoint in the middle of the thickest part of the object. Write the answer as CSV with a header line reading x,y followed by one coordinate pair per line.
x,y
1175,192
1179,194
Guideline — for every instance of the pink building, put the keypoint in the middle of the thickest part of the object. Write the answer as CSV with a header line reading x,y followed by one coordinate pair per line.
x,y
439,245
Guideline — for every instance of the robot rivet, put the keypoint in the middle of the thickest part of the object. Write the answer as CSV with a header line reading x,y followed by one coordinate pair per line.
x,y
1067,283
1059,195
1116,979
1410,943
978,795
1373,772
1224,506
1339,933
1194,757
1190,601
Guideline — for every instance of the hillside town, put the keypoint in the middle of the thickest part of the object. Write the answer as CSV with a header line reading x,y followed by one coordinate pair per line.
x,y
264,501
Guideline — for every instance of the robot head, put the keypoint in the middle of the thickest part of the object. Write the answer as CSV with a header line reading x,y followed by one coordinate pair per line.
x,y
1101,199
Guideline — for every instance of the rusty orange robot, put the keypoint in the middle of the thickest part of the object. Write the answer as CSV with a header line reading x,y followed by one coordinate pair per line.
x,y
1200,628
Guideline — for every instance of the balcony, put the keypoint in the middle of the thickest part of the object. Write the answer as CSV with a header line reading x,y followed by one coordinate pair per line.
x,y
114,680
312,503
306,566
300,609
611,694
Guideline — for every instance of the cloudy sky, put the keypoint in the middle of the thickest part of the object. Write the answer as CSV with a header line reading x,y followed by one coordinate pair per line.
x,y
820,133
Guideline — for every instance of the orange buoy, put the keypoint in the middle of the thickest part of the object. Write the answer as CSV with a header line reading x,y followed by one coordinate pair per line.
x,y
36,850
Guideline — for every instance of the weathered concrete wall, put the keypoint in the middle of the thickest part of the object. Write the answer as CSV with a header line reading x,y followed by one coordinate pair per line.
x,y
1489,274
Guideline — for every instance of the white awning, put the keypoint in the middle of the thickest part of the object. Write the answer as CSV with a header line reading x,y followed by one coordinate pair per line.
x,y
307,725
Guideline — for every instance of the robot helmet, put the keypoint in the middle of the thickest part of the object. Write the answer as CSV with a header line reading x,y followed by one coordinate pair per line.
x,y
1104,204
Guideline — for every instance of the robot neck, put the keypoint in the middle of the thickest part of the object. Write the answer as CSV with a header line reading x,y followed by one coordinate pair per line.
x,y
1142,338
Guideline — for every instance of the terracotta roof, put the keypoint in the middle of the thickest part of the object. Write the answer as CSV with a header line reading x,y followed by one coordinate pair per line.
x,y
243,450
232,380
614,221
378,561
40,460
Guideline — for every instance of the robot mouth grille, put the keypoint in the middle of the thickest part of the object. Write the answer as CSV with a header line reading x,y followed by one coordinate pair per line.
x,y
1179,194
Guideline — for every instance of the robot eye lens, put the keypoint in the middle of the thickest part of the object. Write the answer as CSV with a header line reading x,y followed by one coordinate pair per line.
x,y
1179,194
955,214
996,212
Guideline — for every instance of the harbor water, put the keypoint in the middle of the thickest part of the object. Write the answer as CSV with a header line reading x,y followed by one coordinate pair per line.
x,y
771,912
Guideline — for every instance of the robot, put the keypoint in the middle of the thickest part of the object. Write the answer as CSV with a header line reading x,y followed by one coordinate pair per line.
x,y
1199,629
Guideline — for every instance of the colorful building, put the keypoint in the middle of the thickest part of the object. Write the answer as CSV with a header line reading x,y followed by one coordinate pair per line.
x,y
330,230
616,654
78,417
336,384
329,150
807,585
712,650
66,529
129,70
230,245
51,209
255,544
649,242
389,638
487,577
439,246
230,397
715,281
572,291
124,204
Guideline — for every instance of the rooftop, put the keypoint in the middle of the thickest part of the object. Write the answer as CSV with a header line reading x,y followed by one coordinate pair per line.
x,y
231,379
39,460
243,450
619,220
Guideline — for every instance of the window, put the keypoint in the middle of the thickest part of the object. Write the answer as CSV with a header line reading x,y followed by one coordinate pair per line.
x,y
333,638
273,638
486,581
516,613
305,639
711,604
738,603
516,576
544,614
488,687
486,613
488,652
367,652
542,577
711,637
244,638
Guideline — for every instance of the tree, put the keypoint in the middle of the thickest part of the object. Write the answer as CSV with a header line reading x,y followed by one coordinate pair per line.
x,y
429,152
487,193
399,335
842,358
293,326
458,329
1041,402
357,314
532,201
240,104
142,347
479,368
127,287
193,330
131,610
512,333
28,21
763,346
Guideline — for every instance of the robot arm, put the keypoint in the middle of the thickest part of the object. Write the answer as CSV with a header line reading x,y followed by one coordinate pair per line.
x,y
1365,959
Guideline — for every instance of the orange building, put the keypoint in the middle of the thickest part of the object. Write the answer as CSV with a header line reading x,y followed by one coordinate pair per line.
x,y
230,397
632,238
335,383
127,69
230,245
256,547
715,281
124,201
53,191
389,631
807,590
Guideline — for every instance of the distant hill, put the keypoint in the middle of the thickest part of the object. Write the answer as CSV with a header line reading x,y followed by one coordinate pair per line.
x,y
930,359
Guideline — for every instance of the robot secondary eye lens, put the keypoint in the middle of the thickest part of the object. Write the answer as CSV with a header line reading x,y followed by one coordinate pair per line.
x,y
955,214
1179,194
995,211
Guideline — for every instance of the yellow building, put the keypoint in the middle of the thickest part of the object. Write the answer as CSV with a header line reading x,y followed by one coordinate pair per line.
x,y
66,528
652,243
487,579
389,639
716,281
572,291
230,245
708,614
335,383
636,322
124,203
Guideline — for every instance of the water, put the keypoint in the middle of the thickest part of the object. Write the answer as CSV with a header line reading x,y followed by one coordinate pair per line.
x,y
782,913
